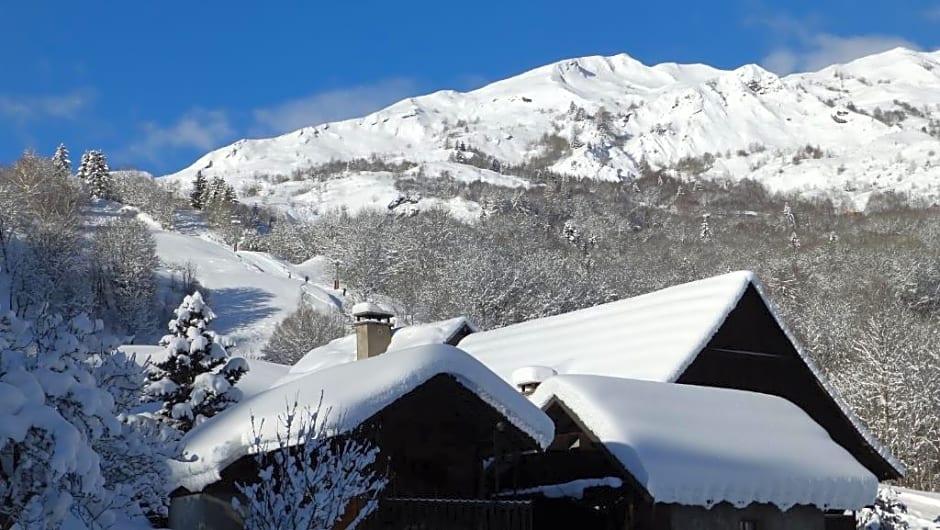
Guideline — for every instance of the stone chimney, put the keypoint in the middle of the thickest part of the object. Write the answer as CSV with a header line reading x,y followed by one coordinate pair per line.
x,y
373,329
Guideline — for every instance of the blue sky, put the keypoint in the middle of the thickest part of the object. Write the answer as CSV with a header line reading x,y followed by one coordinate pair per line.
x,y
157,84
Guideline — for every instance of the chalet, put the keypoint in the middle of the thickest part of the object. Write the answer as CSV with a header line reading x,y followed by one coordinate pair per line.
x,y
688,408
718,332
650,455
436,415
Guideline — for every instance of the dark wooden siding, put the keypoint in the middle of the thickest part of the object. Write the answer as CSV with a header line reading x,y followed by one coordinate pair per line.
x,y
751,352
436,438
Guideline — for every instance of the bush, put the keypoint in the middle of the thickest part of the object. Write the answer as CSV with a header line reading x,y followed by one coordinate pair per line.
x,y
303,330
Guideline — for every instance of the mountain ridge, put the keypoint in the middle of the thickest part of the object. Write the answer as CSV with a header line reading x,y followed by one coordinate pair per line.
x,y
873,125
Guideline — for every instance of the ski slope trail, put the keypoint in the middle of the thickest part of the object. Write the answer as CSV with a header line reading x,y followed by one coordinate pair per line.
x,y
250,292
923,508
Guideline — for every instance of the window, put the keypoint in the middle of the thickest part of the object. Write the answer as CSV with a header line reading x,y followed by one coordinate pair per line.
x,y
747,525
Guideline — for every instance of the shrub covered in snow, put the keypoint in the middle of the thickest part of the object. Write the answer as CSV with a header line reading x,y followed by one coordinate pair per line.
x,y
60,437
311,487
197,380
888,513
134,457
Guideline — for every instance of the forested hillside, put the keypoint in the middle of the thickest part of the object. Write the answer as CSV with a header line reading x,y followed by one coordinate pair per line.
x,y
861,289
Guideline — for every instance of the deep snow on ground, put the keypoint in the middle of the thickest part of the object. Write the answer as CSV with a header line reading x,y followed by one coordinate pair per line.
x,y
923,508
250,292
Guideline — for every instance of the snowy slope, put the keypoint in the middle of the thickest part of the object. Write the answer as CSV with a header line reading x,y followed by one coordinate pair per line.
x,y
659,113
250,292
923,508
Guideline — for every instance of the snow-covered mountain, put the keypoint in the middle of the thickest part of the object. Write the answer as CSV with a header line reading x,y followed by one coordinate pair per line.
x,y
876,122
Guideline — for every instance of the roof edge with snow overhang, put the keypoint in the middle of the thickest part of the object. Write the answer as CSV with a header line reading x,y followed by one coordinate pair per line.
x,y
701,446
664,332
352,393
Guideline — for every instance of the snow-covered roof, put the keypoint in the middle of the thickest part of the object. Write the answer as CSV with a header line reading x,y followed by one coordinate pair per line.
x,y
352,393
701,445
343,349
528,375
652,337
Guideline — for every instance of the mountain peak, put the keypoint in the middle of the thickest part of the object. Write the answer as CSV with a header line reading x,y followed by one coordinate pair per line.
x,y
873,122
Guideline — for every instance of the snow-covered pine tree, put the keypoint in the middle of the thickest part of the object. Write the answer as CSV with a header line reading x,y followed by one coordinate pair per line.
x,y
84,166
214,196
61,161
229,196
789,220
197,380
96,174
794,241
570,232
198,195
705,233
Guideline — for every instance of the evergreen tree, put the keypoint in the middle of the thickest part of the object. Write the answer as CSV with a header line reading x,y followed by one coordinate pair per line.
x,y
794,241
706,231
197,379
84,166
198,195
61,161
230,197
788,218
215,193
96,174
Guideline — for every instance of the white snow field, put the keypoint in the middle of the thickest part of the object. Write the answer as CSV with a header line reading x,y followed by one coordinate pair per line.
x,y
351,393
751,120
923,508
250,292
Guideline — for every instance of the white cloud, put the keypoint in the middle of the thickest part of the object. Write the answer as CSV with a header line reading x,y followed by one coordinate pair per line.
x,y
781,61
59,106
199,129
823,49
802,46
331,105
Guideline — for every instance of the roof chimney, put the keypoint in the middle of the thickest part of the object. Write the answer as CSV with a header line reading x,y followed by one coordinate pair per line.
x,y
373,329
528,378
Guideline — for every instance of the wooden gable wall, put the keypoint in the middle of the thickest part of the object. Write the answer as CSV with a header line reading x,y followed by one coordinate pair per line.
x,y
751,352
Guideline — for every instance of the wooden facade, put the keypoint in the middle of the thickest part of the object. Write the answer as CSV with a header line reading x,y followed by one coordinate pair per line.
x,y
440,447
751,352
